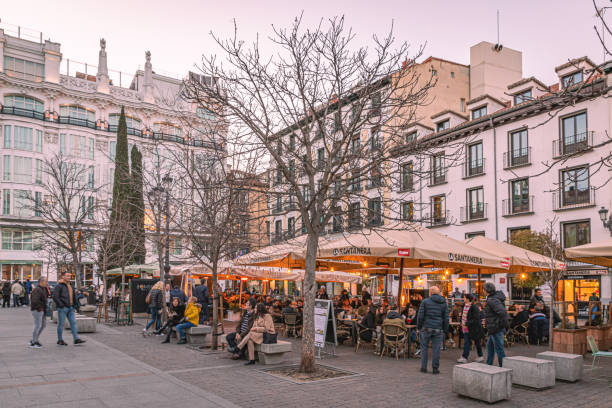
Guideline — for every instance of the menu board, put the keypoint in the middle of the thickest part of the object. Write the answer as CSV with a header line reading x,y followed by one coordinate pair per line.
x,y
324,323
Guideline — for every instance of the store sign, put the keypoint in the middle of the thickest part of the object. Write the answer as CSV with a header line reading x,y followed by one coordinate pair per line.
x,y
403,252
582,273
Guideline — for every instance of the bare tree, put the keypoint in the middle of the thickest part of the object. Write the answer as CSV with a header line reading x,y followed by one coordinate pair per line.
x,y
66,207
306,106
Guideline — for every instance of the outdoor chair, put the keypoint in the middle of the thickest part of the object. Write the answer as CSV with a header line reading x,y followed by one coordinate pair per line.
x,y
359,341
393,337
290,325
521,335
595,351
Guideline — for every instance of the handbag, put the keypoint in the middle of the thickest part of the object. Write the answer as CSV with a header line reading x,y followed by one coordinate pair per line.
x,y
269,338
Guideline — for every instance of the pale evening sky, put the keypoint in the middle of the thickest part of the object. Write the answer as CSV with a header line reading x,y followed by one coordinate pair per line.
x,y
177,32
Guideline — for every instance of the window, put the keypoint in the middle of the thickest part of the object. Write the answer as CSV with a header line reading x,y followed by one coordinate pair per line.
x,y
337,121
354,215
39,141
375,103
519,190
479,112
411,137
575,186
438,171
74,145
476,203
17,240
278,230
176,246
375,142
452,74
522,97
166,128
291,142
24,102
22,203
6,168
204,113
90,208
320,157
37,203
355,181
513,231
291,227
92,144
375,176
475,160
112,152
306,194
519,148
7,137
77,112
434,72
438,209
90,177
574,133
22,169
355,145
6,202
374,212
440,126
576,233
279,203
571,79
22,69
131,123
23,138
406,177
469,235
462,104
407,211
39,172
278,176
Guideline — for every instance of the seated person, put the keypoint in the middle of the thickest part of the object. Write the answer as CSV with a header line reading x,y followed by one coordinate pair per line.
x,y
538,323
291,308
242,328
368,322
513,310
175,316
192,316
355,303
262,324
276,312
520,317
344,295
393,318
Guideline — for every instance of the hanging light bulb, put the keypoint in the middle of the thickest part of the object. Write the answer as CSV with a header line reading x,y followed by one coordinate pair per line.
x,y
365,264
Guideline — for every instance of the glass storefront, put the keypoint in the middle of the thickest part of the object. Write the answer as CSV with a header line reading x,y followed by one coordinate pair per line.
x,y
578,289
21,271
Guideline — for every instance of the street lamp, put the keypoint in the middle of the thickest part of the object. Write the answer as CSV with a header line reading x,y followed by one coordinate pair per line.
x,y
158,193
603,214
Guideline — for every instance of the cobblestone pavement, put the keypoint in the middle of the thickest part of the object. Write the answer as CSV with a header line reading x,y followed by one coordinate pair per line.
x,y
91,375
382,383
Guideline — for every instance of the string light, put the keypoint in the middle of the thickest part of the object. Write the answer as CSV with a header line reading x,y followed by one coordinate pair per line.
x,y
365,264
523,276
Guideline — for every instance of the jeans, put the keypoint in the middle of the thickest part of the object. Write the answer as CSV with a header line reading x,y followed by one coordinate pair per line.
x,y
6,301
16,301
203,313
155,318
26,299
181,327
467,345
435,336
39,324
62,314
495,345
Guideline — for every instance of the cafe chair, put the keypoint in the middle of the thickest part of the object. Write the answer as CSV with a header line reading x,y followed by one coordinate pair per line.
x,y
359,341
393,338
291,325
595,351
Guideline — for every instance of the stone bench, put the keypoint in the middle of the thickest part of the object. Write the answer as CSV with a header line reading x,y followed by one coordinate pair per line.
x,y
531,372
199,335
88,310
272,353
84,324
568,367
482,382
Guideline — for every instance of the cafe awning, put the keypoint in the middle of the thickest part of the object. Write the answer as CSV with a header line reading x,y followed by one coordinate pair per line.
x,y
152,268
520,259
596,253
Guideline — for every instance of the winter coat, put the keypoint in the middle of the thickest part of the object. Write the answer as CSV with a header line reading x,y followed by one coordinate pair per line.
x,y
17,289
192,313
61,296
433,314
473,324
38,300
179,313
157,298
495,312
394,319
261,325
251,319
6,290
178,293
201,293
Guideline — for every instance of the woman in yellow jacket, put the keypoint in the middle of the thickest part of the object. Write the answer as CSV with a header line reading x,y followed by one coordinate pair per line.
x,y
263,323
192,315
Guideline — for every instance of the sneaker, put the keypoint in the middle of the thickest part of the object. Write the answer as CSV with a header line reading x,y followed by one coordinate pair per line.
x,y
166,341
79,341
250,362
423,370
182,341
436,371
36,345
31,344
479,359
462,360
61,343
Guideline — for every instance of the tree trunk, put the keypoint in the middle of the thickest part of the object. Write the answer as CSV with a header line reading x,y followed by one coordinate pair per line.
x,y
215,317
75,265
551,317
307,364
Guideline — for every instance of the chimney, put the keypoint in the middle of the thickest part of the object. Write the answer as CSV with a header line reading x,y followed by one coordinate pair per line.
x,y
102,75
148,80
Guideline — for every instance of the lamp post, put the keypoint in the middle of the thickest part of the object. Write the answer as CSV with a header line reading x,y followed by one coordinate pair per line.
x,y
159,192
603,214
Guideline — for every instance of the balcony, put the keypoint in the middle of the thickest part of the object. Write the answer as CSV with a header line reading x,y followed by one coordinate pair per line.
x,y
278,208
518,206
67,120
517,158
476,212
168,138
473,168
572,144
437,177
438,219
130,131
571,199
291,206
28,113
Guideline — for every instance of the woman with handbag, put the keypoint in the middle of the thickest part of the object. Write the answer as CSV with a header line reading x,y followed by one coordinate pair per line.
x,y
261,332
154,299
176,315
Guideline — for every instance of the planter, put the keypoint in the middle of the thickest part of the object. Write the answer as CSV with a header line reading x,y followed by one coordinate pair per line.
x,y
602,337
233,316
572,341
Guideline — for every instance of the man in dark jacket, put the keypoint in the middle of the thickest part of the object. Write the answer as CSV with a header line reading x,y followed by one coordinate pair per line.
x,y
178,292
6,294
39,310
201,293
64,299
242,329
497,323
432,323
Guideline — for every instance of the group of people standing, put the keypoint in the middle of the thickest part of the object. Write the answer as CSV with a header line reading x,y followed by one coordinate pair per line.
x,y
18,292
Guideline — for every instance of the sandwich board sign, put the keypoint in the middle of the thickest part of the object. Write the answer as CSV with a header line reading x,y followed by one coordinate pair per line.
x,y
324,324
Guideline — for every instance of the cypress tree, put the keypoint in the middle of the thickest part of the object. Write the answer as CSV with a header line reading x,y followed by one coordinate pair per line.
x,y
137,208
121,184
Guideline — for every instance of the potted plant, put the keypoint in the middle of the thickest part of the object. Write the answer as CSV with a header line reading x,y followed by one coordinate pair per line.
x,y
233,314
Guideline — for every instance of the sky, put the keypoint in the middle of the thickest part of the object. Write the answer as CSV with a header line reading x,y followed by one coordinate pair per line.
x,y
177,32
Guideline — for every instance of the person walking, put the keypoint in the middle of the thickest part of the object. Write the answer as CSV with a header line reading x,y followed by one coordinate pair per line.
x,y
432,323
155,300
471,329
17,291
63,296
38,306
6,295
497,323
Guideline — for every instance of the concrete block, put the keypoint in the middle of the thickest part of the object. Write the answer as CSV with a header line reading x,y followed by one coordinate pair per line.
x,y
482,382
568,367
199,335
531,372
279,347
267,359
88,310
84,324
